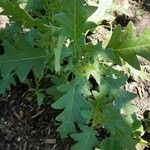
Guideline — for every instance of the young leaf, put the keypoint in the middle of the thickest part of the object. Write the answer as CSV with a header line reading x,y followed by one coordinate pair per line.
x,y
98,104
86,140
57,52
127,46
73,103
40,98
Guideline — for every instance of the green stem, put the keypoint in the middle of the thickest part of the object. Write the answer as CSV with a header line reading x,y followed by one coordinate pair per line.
x,y
36,84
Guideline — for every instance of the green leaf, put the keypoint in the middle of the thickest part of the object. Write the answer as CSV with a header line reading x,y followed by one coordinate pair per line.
x,y
13,9
11,31
98,104
119,128
121,97
89,60
115,143
57,52
33,5
5,83
94,71
110,92
73,24
107,109
113,121
40,98
73,103
64,19
21,56
111,144
54,91
86,140
127,46
90,52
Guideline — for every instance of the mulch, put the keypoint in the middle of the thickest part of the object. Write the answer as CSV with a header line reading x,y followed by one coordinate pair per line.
x,y
25,126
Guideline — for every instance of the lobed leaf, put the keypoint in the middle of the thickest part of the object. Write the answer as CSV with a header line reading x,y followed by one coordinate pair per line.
x,y
5,83
73,104
127,46
13,9
86,140
74,18
21,56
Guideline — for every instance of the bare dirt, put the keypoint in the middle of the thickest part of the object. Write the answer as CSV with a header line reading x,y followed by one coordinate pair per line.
x,y
25,126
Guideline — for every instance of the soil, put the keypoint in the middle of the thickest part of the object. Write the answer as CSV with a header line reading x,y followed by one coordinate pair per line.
x,y
25,126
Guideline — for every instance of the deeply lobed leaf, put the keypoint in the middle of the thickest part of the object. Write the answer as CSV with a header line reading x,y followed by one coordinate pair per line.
x,y
21,56
127,46
86,139
73,104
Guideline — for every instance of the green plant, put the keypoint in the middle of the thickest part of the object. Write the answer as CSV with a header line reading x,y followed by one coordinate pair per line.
x,y
47,40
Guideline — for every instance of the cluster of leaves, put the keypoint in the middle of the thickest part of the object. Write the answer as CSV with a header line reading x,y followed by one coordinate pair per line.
x,y
48,40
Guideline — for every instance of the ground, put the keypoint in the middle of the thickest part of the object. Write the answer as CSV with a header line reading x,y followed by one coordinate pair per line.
x,y
25,126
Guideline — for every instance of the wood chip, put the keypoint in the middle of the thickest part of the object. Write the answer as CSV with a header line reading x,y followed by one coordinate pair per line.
x,y
50,141
25,145
39,113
